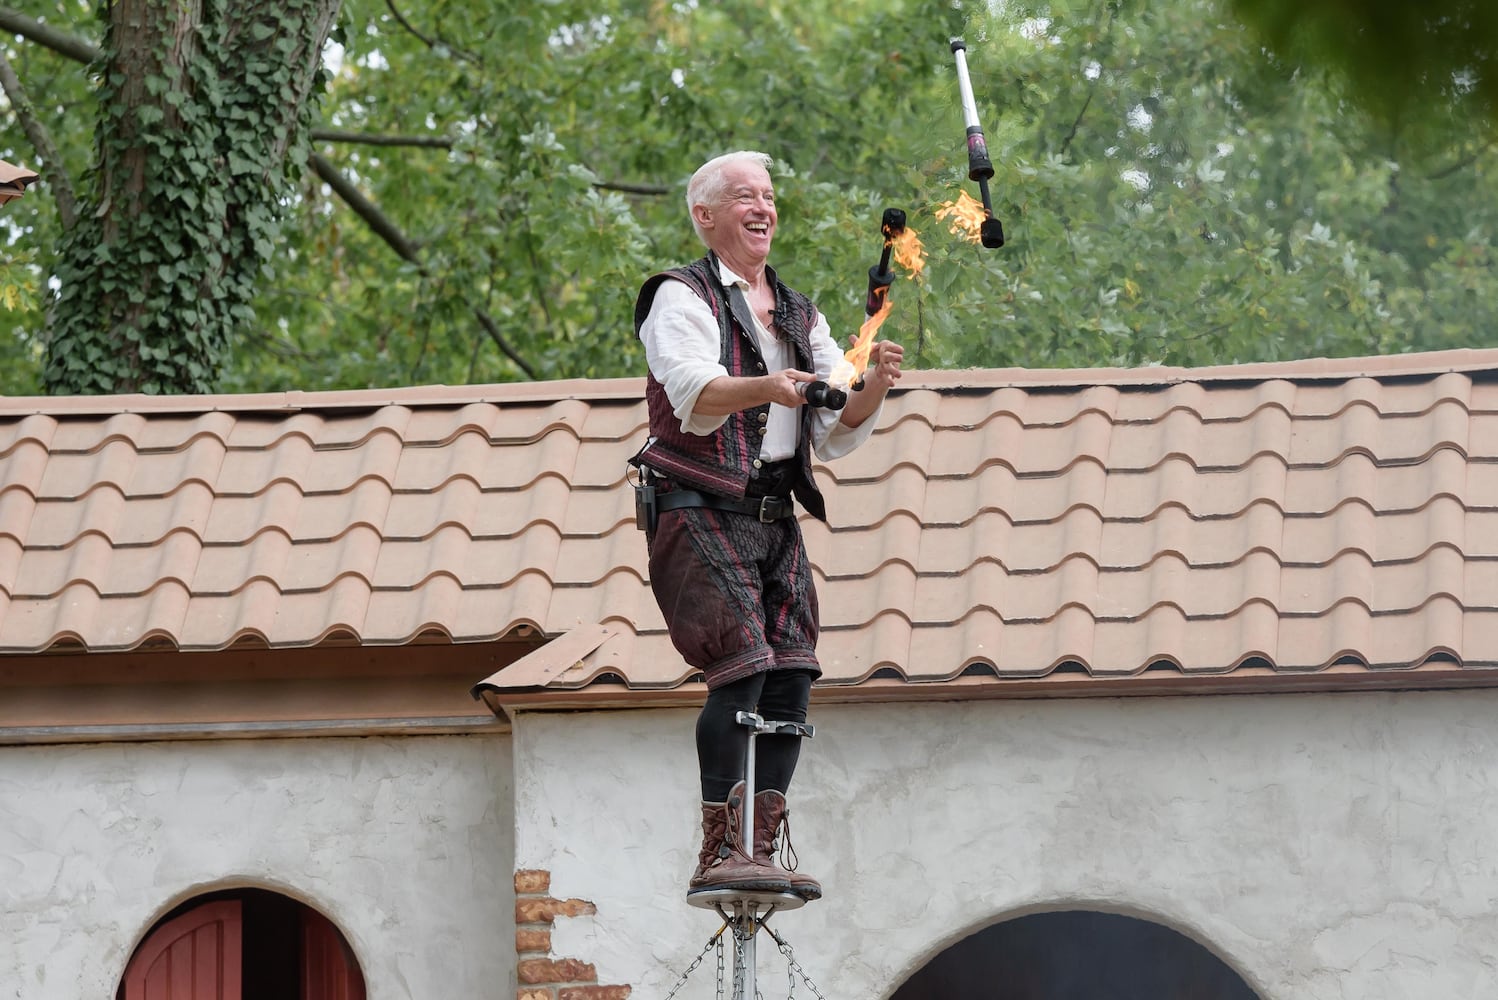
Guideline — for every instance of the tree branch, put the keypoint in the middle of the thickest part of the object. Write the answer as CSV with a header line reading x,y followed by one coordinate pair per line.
x,y
431,43
401,20
492,329
41,141
325,134
631,188
1461,164
84,51
397,241
364,208
1071,133
78,49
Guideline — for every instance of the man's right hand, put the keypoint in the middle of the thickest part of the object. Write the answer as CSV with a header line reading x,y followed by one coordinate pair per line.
x,y
785,386
727,394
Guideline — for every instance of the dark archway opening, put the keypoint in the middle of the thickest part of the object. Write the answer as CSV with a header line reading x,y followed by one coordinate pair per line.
x,y
1075,955
243,944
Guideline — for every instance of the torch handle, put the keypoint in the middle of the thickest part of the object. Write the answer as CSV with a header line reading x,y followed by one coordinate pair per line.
x,y
880,278
979,166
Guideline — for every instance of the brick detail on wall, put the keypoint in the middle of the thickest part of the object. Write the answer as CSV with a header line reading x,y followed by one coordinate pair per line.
x,y
594,993
542,975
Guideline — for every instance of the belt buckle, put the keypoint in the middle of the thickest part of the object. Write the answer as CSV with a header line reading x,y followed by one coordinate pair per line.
x,y
765,517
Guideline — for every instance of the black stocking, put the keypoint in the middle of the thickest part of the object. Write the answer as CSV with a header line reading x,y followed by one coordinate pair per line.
x,y
722,744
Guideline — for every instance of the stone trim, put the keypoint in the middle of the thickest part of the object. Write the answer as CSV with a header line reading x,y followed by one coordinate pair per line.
x,y
540,975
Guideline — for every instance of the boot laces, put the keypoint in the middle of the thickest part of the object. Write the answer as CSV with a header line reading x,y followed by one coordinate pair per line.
x,y
734,817
788,858
733,841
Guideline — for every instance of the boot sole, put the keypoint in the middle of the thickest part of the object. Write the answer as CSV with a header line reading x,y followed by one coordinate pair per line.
x,y
783,888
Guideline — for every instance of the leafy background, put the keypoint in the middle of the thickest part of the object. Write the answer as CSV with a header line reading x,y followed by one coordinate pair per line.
x,y
1173,191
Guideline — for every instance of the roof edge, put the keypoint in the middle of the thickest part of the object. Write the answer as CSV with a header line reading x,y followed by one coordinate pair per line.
x,y
527,686
296,400
633,388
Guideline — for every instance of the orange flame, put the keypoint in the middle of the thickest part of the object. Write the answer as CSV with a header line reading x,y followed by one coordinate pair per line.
x,y
856,359
967,216
908,253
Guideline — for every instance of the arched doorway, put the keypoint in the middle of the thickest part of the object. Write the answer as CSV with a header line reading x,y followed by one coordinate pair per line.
x,y
242,944
1075,955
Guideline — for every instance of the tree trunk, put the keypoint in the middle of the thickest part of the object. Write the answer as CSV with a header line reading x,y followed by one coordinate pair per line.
x,y
204,106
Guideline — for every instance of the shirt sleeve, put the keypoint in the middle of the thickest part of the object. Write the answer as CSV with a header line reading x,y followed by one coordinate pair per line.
x,y
831,438
682,345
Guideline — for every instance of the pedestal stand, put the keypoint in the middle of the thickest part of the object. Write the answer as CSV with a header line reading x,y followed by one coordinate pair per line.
x,y
746,912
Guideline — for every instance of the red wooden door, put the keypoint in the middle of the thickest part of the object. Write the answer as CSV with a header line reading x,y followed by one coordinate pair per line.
x,y
195,956
329,971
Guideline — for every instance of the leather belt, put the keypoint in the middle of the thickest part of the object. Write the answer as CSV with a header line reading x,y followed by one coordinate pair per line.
x,y
767,509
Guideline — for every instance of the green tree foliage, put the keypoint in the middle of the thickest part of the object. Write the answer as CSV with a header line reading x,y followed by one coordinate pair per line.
x,y
1180,197
200,107
1172,193
1402,57
574,127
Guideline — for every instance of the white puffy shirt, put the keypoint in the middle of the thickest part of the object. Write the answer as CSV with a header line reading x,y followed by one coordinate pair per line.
x,y
682,346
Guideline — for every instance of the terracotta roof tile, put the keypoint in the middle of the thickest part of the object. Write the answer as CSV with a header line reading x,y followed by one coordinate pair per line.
x,y
218,620
1203,541
958,500
581,557
234,519
1481,486
230,569
339,470
254,470
442,604
1009,525
1479,628
1482,436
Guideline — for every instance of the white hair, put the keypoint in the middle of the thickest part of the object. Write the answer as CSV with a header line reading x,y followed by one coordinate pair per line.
x,y
706,185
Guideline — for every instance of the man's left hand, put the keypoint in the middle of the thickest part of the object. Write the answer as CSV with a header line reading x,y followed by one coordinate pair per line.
x,y
884,364
878,376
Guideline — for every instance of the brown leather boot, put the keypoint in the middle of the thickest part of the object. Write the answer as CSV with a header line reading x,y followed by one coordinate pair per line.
x,y
722,863
771,814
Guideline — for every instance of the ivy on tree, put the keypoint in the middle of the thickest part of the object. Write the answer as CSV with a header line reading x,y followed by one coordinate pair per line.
x,y
202,111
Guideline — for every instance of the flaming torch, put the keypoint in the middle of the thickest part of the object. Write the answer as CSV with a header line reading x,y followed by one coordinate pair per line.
x,y
979,167
905,247
880,276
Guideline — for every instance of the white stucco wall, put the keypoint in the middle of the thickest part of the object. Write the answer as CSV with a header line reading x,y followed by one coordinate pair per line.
x,y
1332,846
405,843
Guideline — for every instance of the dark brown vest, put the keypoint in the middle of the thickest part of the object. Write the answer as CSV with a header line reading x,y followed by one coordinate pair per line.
x,y
723,462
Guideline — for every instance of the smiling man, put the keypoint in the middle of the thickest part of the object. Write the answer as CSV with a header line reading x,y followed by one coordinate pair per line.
x,y
730,349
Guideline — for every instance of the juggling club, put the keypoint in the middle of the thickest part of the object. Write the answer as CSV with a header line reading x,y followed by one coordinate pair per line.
x,y
880,276
979,166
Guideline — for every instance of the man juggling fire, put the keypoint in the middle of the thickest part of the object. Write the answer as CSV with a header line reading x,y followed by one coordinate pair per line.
x,y
739,399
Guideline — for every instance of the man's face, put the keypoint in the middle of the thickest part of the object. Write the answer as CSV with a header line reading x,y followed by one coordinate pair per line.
x,y
741,226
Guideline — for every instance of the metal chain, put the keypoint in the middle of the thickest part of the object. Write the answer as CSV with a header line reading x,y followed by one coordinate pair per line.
x,y
719,936
682,979
791,963
738,964
792,970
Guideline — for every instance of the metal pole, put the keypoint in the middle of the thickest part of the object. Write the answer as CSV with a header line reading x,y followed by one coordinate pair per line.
x,y
747,833
746,918
745,924
747,928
